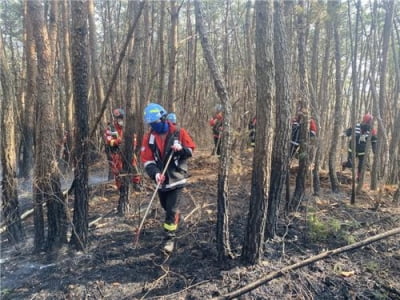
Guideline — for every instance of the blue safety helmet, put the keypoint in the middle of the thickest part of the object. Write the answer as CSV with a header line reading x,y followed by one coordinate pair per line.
x,y
153,112
171,117
119,113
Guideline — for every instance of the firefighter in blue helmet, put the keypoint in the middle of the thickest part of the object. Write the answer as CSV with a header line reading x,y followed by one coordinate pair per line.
x,y
172,118
162,142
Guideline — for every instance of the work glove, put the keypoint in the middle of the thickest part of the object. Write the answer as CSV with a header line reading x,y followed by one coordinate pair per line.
x,y
176,147
160,178
363,138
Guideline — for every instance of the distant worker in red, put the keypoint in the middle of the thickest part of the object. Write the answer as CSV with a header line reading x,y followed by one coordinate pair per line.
x,y
217,123
113,137
363,131
296,125
165,141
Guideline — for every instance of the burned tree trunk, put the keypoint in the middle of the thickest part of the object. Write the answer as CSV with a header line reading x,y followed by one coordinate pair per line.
x,y
80,71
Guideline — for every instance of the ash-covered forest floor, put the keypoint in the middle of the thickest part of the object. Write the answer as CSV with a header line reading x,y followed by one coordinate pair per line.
x,y
112,268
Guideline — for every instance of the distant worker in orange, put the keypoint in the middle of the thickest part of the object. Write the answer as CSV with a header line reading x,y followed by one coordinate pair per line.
x,y
113,137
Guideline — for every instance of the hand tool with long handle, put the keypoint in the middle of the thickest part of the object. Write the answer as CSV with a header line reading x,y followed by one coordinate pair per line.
x,y
151,200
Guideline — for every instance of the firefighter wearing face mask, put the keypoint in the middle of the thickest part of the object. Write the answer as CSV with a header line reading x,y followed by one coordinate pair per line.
x,y
113,137
166,147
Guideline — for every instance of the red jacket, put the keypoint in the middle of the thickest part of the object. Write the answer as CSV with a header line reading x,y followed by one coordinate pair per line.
x,y
113,135
160,139
217,124
313,127
156,149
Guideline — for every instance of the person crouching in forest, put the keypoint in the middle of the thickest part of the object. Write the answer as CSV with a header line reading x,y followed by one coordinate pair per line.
x,y
296,124
113,138
164,153
363,131
217,123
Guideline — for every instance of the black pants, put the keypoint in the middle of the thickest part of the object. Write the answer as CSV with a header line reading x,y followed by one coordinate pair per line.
x,y
360,157
217,145
169,201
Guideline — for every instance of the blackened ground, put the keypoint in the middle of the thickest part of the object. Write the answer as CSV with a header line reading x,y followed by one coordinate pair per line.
x,y
113,268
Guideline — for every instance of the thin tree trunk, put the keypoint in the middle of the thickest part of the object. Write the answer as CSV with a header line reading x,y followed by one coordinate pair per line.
x,y
395,142
67,71
9,194
131,113
162,56
172,51
253,244
190,62
47,185
337,119
94,61
323,98
299,192
80,72
223,244
315,109
28,123
144,85
355,93
382,147
280,151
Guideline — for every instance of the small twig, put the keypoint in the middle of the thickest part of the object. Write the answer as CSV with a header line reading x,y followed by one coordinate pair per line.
x,y
153,285
181,291
102,217
100,291
197,208
192,198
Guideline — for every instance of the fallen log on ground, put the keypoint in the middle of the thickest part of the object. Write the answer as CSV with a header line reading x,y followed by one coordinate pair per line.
x,y
308,261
